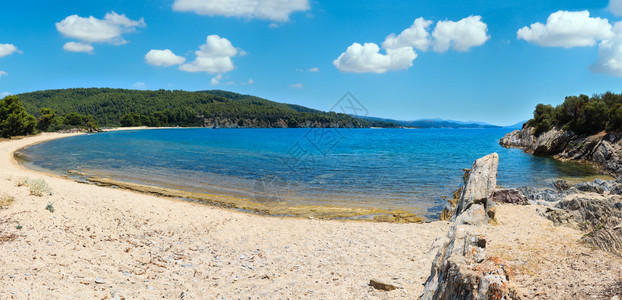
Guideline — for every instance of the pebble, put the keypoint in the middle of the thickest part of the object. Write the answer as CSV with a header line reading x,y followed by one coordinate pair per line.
x,y
150,288
100,280
11,276
186,265
27,274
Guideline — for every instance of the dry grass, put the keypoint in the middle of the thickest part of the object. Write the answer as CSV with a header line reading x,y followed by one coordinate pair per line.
x,y
6,200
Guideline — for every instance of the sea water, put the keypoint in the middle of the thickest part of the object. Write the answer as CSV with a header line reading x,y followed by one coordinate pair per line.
x,y
406,169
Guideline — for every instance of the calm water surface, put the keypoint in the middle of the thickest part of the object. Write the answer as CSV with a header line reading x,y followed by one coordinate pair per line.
x,y
387,168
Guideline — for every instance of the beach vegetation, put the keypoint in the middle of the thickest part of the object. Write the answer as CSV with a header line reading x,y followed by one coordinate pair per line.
x,y
50,207
6,200
580,114
22,180
14,120
38,187
120,107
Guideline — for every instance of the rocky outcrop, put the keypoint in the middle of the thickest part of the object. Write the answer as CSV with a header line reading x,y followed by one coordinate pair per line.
x,y
474,206
461,269
601,219
602,149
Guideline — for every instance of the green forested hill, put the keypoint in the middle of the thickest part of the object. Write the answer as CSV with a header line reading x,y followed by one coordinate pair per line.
x,y
120,107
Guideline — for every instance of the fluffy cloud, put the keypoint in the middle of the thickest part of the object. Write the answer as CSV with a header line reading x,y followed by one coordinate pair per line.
x,y
4,94
314,69
7,49
567,29
461,36
164,58
368,59
416,36
78,47
213,57
92,30
216,80
610,54
615,6
273,10
2,73
296,85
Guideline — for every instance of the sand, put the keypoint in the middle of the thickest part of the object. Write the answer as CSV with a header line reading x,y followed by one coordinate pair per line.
x,y
102,242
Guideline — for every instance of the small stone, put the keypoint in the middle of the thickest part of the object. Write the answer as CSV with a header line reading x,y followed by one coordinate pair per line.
x,y
27,274
150,288
382,286
11,276
186,265
100,280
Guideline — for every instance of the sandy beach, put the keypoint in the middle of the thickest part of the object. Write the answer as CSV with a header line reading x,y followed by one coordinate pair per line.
x,y
107,243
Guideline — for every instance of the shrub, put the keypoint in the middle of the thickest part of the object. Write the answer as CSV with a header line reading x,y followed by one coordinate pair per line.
x,y
22,180
38,187
6,200
50,207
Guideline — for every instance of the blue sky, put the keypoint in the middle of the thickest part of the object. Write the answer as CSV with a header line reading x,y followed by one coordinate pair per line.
x,y
463,60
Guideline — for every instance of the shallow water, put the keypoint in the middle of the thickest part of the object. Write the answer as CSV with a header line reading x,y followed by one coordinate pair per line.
x,y
406,169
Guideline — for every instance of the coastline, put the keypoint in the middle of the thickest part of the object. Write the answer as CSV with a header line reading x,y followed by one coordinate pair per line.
x,y
105,242
268,208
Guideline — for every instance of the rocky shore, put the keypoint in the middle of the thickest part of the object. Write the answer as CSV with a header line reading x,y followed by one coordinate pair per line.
x,y
466,266
604,150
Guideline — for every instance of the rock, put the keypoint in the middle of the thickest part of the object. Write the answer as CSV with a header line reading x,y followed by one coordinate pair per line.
x,y
382,286
511,196
99,280
548,195
599,218
474,198
604,150
590,187
460,269
561,185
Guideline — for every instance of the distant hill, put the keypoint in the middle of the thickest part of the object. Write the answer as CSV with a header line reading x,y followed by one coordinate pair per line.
x,y
518,125
435,123
121,107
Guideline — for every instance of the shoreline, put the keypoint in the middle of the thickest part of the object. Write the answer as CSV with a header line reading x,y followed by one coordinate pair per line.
x,y
272,209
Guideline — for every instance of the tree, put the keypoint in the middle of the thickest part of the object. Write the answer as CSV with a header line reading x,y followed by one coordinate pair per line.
x,y
14,120
46,119
74,119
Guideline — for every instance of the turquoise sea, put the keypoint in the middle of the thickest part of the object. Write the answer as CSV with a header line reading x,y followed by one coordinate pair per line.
x,y
408,169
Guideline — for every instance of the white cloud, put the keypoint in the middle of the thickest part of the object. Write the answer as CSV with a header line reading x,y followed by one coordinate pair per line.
x,y
139,85
314,69
461,36
567,29
296,85
7,49
164,58
249,82
216,80
92,30
78,47
2,73
4,94
368,59
615,6
273,10
416,36
213,57
610,54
